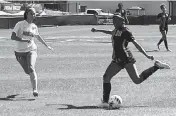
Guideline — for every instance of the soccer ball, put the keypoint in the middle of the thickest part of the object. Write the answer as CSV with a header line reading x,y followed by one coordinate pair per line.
x,y
115,102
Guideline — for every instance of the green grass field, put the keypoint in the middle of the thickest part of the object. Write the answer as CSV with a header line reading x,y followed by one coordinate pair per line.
x,y
70,77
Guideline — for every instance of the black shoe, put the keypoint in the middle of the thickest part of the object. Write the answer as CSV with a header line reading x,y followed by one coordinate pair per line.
x,y
35,93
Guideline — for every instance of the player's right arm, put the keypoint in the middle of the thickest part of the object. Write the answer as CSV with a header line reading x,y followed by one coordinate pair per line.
x,y
103,31
158,18
14,34
16,38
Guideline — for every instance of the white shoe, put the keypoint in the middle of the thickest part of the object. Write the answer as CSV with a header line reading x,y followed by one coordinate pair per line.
x,y
169,50
103,105
161,65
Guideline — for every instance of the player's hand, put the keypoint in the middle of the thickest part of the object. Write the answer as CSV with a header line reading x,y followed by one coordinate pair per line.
x,y
50,48
150,57
29,41
93,30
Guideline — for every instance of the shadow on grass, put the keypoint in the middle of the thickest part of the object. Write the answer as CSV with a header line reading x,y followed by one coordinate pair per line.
x,y
15,98
157,51
69,106
134,106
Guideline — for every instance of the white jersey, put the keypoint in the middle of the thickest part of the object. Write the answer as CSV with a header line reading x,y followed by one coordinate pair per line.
x,y
26,31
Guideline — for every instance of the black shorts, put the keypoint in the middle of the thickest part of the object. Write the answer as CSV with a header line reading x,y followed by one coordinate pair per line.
x,y
163,29
123,62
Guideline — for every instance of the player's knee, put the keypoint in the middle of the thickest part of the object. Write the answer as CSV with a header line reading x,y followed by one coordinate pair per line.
x,y
138,81
26,71
31,69
106,78
164,37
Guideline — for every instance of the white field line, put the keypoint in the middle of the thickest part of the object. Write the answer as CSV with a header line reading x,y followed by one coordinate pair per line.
x,y
84,37
60,31
86,55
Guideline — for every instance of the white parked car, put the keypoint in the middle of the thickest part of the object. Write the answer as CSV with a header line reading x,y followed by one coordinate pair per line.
x,y
97,12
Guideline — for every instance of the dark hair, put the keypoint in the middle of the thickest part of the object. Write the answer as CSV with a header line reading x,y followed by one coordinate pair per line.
x,y
26,12
120,4
162,5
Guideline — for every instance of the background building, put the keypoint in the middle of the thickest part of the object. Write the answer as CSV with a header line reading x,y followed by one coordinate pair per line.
x,y
150,7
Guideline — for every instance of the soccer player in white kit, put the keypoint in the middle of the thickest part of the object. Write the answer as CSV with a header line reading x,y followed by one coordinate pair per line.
x,y
24,33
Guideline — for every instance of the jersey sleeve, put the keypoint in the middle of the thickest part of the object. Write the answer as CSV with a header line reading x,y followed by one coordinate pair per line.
x,y
17,27
158,16
129,36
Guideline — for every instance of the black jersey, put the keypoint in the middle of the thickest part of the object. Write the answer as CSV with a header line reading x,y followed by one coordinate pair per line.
x,y
120,40
121,12
163,19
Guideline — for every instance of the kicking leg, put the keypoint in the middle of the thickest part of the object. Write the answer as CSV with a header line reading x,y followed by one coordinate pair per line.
x,y
133,73
136,78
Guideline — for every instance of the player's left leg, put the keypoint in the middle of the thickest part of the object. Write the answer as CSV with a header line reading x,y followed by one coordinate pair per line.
x,y
111,71
31,58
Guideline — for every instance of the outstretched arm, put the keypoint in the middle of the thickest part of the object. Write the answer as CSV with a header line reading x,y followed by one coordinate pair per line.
x,y
139,47
103,31
43,42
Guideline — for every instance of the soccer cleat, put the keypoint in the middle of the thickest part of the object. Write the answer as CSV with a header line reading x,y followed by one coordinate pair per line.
x,y
161,65
35,93
103,105
158,47
169,50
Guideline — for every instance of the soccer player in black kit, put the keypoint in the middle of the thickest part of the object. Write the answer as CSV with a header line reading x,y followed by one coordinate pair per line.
x,y
164,19
122,12
122,58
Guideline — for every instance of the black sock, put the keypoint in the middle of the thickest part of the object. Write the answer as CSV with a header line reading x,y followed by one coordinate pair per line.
x,y
161,40
146,73
106,91
165,43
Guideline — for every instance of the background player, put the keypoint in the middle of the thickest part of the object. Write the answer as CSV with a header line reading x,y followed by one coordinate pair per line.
x,y
122,12
164,19
24,34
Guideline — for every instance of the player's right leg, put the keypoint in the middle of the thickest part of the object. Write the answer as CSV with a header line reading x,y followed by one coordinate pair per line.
x,y
163,33
22,59
136,78
112,70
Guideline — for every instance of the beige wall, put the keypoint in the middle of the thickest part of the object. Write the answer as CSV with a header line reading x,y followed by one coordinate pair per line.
x,y
151,7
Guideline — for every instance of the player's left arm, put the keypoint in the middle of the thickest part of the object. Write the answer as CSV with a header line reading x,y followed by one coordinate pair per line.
x,y
43,41
38,36
141,49
125,17
129,36
169,17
